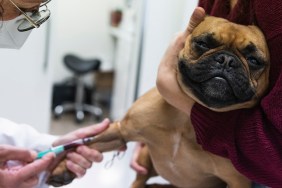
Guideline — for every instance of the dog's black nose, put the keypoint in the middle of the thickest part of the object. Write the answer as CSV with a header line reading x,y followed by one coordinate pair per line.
x,y
227,60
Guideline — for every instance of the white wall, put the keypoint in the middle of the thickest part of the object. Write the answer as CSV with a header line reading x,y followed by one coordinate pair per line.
x,y
82,27
25,83
128,45
164,18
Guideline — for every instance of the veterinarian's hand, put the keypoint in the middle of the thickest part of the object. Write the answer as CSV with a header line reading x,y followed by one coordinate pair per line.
x,y
166,81
24,174
82,158
134,164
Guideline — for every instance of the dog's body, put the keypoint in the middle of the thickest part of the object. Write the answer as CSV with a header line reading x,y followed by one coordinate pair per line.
x,y
208,65
172,146
171,143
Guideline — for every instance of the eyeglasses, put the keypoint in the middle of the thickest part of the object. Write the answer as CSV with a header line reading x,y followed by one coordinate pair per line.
x,y
35,19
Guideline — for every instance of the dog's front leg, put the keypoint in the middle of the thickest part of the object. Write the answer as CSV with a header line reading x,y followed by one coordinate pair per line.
x,y
109,140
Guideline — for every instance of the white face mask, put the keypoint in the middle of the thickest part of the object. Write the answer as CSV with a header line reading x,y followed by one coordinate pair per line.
x,y
10,37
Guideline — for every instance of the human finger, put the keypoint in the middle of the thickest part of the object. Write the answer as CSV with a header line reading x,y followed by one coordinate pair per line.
x,y
94,129
76,169
8,152
90,154
83,132
134,164
79,160
196,18
178,43
31,182
138,168
36,167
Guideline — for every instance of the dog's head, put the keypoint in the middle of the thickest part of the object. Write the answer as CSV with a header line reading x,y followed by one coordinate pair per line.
x,y
223,65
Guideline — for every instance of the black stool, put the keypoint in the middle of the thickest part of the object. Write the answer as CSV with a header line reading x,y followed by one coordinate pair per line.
x,y
80,67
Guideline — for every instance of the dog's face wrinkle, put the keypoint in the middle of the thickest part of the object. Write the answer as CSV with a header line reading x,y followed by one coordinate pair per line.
x,y
208,68
252,50
204,43
257,63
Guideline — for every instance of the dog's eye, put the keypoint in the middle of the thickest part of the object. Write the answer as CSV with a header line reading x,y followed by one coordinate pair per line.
x,y
255,63
202,45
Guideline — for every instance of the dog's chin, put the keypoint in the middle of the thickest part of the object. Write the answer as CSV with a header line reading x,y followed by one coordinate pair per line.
x,y
209,96
215,86
215,93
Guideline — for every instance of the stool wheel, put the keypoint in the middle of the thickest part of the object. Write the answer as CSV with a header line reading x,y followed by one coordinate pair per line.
x,y
79,116
58,111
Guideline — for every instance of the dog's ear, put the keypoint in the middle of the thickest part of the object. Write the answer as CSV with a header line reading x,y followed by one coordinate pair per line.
x,y
196,18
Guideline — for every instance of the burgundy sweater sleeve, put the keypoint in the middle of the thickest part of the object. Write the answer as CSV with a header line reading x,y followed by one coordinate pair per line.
x,y
251,138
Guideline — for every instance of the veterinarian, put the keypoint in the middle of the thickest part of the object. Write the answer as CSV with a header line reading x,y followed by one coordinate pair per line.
x,y
250,138
15,137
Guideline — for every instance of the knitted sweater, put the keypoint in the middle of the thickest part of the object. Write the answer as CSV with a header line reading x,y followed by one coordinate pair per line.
x,y
251,138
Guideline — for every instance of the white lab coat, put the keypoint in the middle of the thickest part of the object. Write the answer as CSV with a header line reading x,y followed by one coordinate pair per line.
x,y
22,135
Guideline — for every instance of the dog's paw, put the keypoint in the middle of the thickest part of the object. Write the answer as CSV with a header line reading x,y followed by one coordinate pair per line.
x,y
61,179
60,175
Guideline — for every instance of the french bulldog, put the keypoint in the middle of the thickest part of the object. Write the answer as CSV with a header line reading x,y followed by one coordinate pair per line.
x,y
223,66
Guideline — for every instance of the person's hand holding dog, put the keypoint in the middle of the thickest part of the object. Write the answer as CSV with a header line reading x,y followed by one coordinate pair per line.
x,y
166,81
134,164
